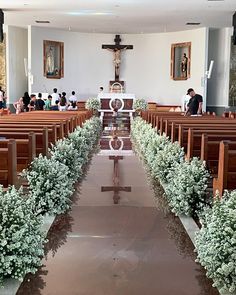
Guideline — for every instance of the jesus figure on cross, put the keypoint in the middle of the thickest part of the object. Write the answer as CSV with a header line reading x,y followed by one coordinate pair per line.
x,y
116,49
117,60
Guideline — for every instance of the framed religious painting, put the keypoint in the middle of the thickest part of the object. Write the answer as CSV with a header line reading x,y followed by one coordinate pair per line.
x,y
53,59
180,61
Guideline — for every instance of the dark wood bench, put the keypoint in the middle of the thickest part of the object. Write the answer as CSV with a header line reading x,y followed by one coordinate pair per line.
x,y
210,147
8,175
194,139
25,150
42,142
226,178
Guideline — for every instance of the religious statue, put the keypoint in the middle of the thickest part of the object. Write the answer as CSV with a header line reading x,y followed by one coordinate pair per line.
x,y
50,61
117,60
116,49
184,66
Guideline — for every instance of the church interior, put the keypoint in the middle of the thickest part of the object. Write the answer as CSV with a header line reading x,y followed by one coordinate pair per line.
x,y
118,147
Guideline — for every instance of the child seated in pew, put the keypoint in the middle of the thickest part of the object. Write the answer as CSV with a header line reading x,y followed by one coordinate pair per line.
x,y
72,106
19,105
31,105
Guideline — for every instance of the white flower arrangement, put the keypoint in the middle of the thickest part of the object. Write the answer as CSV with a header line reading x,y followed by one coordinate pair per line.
x,y
21,238
50,185
216,243
93,104
165,159
140,104
84,139
186,186
64,151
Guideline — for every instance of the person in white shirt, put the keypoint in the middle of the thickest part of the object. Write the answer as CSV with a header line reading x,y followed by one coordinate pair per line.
x,y
185,100
73,98
72,106
55,97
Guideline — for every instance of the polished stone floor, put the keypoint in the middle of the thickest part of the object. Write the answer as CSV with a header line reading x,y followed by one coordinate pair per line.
x,y
135,247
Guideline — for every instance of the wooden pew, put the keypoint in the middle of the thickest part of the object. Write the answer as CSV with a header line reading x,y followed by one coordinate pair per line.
x,y
42,142
8,175
210,151
25,150
183,130
59,129
226,178
195,137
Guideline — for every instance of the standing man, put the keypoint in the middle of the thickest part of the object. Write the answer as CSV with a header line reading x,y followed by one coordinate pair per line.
x,y
194,106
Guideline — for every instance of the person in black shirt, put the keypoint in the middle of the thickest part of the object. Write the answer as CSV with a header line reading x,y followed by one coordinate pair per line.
x,y
39,103
194,106
26,101
31,105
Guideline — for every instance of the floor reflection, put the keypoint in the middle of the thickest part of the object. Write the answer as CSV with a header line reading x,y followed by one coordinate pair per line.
x,y
116,188
131,244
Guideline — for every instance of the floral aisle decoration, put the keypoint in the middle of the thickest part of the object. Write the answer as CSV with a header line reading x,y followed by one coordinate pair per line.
x,y
50,185
51,180
186,187
165,161
140,104
84,139
216,243
21,238
64,151
93,104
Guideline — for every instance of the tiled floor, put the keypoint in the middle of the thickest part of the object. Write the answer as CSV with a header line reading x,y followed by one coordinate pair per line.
x,y
133,248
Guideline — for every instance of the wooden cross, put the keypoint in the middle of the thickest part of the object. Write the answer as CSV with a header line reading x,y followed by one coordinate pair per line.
x,y
116,49
116,188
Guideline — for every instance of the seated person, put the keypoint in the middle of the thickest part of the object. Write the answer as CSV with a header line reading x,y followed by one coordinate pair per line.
x,y
73,98
48,103
19,105
72,106
31,105
55,107
63,103
39,103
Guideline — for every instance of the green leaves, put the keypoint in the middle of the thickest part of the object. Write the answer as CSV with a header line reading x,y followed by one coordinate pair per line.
x,y
22,241
140,104
93,104
216,243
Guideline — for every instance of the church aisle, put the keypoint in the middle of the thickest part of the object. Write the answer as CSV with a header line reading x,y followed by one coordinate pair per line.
x,y
131,248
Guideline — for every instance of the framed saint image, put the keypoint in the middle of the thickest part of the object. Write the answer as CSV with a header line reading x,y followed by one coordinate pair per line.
x,y
53,59
180,61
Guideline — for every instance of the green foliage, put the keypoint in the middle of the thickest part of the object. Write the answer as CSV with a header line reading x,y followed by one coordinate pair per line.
x,y
50,185
93,104
216,243
21,240
186,186
140,104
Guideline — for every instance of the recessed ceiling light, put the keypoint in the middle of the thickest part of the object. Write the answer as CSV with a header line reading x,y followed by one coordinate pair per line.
x,y
193,24
42,21
89,12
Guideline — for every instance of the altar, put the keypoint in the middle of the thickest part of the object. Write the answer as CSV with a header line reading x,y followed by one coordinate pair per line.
x,y
121,102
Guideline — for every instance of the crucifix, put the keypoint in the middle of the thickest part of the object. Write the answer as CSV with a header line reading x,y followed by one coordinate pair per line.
x,y
116,188
116,49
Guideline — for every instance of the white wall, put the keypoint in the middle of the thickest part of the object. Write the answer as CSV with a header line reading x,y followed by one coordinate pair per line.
x,y
145,69
16,51
219,51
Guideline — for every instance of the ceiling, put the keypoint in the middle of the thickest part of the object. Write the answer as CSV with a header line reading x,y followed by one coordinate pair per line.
x,y
119,16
